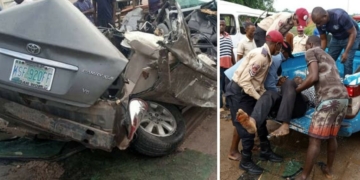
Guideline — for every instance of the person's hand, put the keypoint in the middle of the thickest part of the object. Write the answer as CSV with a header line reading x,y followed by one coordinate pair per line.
x,y
298,80
344,57
281,80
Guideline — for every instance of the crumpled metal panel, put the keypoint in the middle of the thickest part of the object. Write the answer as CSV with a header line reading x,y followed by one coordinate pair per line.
x,y
89,136
131,19
188,80
183,50
181,85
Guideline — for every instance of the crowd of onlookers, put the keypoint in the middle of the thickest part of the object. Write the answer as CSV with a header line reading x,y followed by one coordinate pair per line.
x,y
100,12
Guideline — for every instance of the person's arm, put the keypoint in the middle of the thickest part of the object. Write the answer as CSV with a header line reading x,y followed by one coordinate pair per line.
x,y
323,37
233,57
89,11
313,75
240,51
239,56
347,23
290,39
262,89
233,60
262,86
352,35
250,71
279,19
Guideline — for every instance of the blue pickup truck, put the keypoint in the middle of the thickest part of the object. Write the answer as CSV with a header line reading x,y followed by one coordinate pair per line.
x,y
351,124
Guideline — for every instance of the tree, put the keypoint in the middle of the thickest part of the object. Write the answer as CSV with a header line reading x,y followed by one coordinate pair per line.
x,y
287,10
256,4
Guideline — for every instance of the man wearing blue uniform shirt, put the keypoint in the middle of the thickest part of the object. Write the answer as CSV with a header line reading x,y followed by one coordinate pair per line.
x,y
345,34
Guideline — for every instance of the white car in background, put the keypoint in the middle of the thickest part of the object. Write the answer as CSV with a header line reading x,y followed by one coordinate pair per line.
x,y
235,15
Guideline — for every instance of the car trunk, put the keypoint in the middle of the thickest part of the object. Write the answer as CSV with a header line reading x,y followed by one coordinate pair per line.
x,y
49,50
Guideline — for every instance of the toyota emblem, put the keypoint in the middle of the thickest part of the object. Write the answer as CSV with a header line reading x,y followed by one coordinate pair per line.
x,y
33,48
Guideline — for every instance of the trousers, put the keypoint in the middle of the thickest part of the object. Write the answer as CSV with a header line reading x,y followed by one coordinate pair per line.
x,y
284,106
238,99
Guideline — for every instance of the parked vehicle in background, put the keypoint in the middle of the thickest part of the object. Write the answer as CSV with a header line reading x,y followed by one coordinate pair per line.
x,y
235,15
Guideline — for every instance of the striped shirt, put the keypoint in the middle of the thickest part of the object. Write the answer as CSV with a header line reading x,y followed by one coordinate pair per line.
x,y
225,50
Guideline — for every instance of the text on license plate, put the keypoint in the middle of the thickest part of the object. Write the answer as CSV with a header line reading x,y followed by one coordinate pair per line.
x,y
32,74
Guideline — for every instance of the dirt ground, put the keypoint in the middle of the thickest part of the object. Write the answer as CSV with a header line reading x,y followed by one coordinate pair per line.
x,y
196,157
293,148
204,138
34,170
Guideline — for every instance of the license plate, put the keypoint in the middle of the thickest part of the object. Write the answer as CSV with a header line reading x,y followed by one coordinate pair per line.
x,y
32,74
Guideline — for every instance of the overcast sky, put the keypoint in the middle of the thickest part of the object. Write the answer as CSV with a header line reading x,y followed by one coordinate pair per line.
x,y
354,5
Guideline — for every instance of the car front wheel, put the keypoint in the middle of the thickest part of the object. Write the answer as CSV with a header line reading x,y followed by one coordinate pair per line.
x,y
161,130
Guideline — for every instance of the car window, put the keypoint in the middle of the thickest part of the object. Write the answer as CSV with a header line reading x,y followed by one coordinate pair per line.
x,y
191,3
230,23
244,18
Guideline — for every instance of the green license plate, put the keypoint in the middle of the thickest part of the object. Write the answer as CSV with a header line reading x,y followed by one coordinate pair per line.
x,y
32,74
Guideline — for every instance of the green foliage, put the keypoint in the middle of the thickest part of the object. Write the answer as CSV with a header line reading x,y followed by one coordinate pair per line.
x,y
257,4
287,10
309,30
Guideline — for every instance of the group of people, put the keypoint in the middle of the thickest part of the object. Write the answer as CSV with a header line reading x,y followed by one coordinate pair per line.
x,y
100,12
253,89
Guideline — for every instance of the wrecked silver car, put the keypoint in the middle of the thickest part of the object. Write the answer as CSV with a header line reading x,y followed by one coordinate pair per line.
x,y
62,79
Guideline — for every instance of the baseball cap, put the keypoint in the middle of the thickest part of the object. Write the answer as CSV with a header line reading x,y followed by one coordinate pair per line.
x,y
288,49
276,37
300,28
302,15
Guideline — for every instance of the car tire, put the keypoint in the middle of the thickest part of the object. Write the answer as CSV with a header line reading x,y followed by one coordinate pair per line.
x,y
152,143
